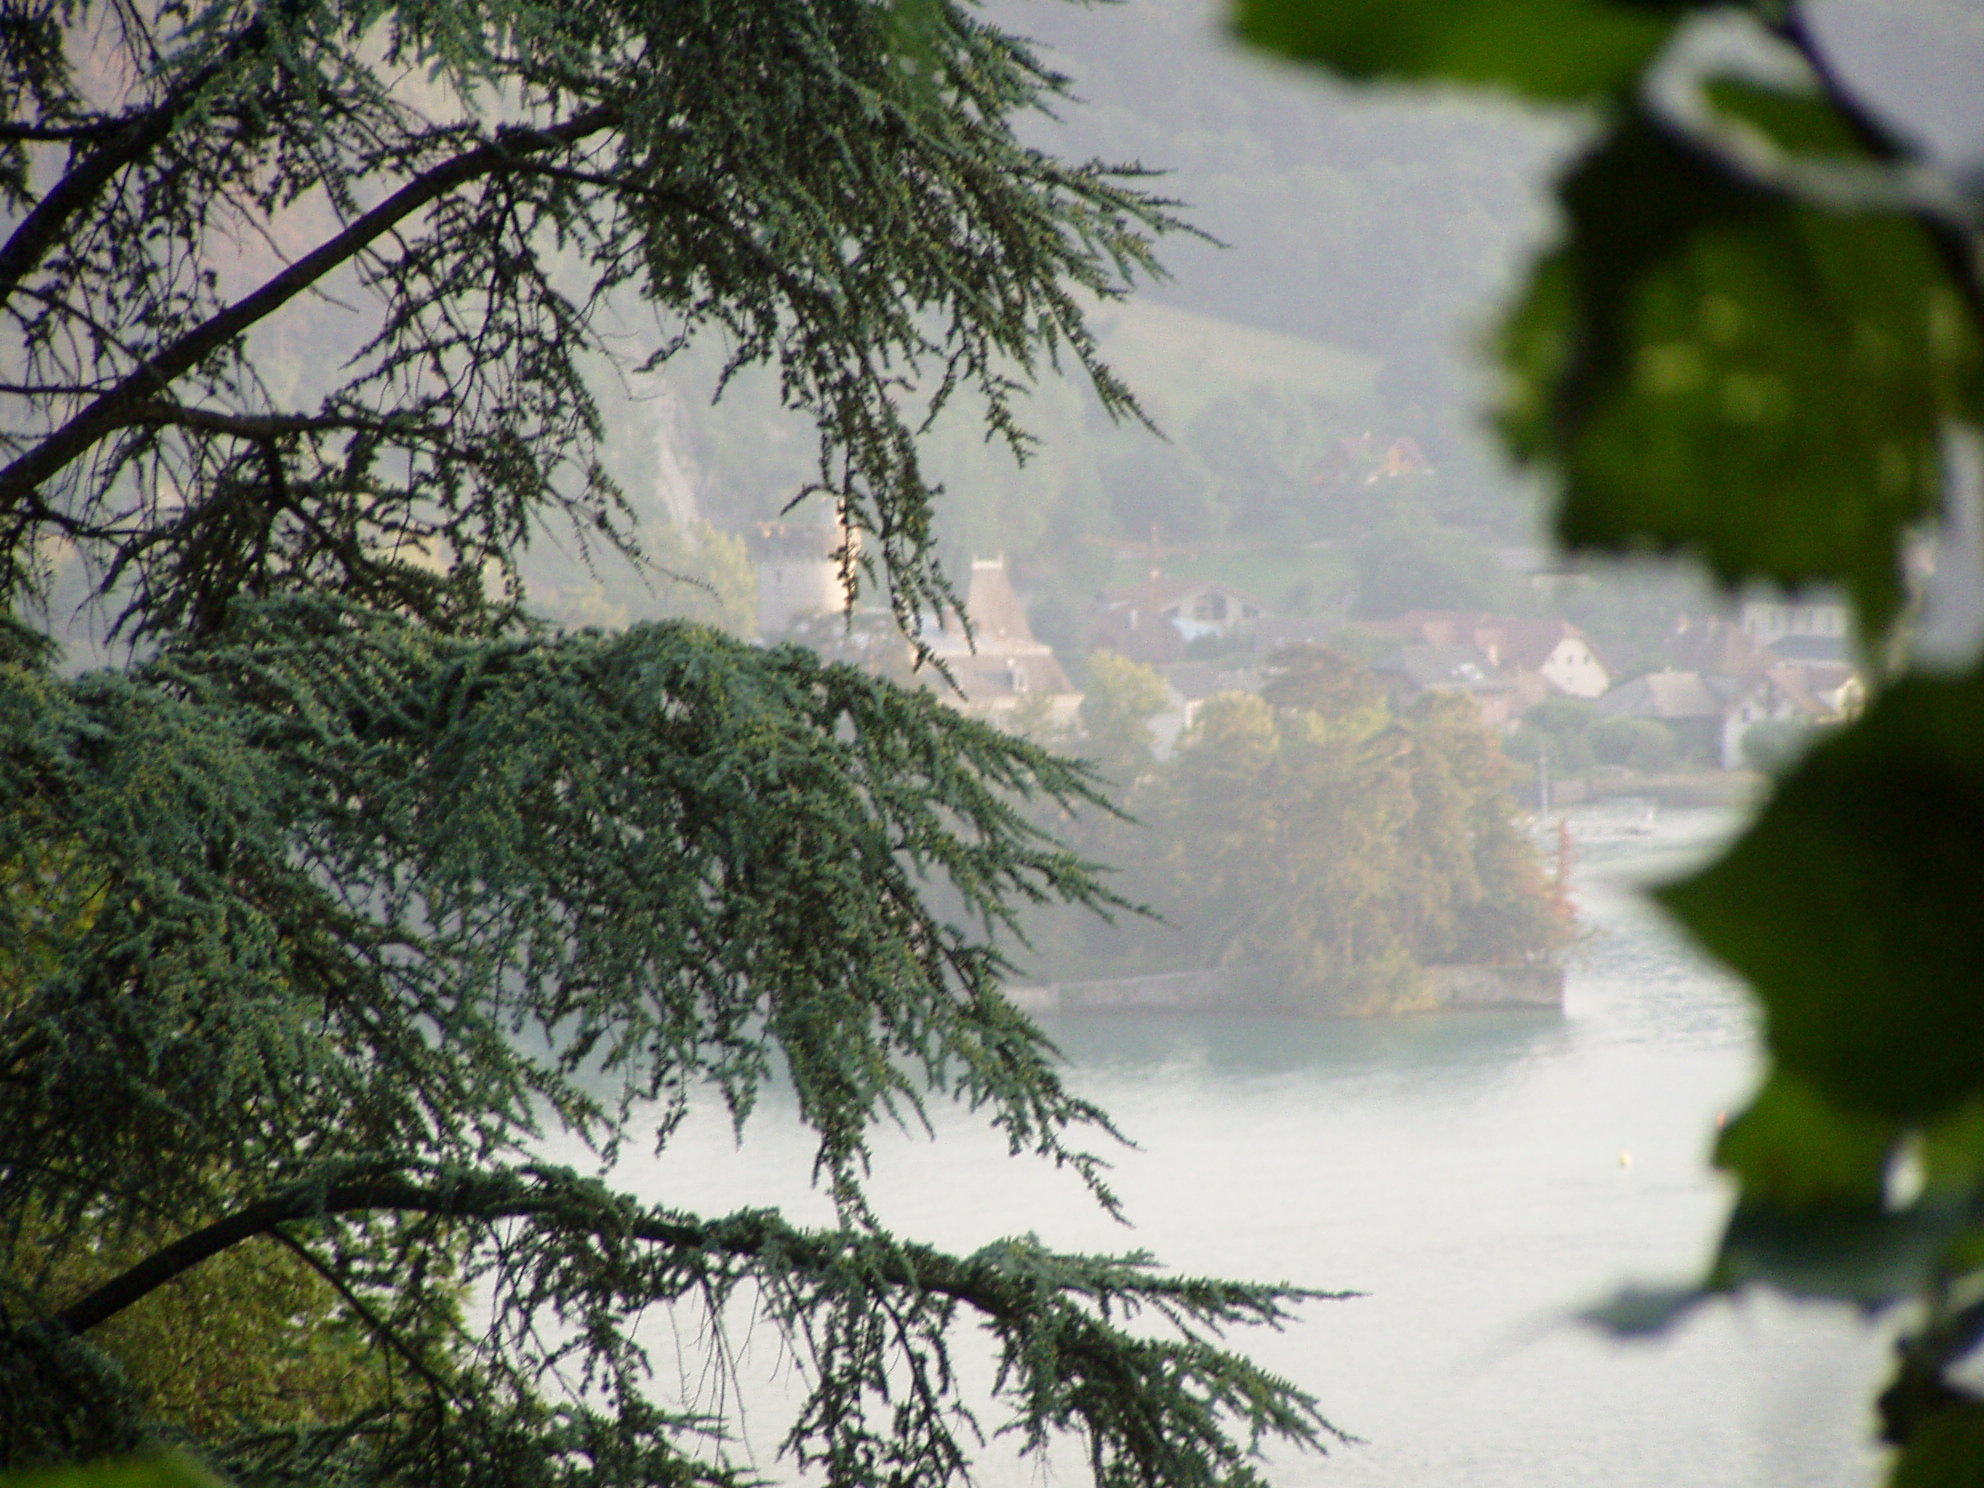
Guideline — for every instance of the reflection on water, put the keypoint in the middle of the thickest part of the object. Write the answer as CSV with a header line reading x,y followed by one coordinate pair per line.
x,y
1298,1053
1477,1177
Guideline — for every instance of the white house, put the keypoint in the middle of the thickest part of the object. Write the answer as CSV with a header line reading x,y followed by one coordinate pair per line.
x,y
1554,651
1190,607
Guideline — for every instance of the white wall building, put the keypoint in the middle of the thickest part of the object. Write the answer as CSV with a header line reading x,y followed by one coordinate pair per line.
x,y
799,574
1766,621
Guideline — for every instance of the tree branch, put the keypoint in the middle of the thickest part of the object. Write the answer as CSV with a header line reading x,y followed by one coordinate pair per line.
x,y
483,1199
747,1235
255,426
59,133
379,1326
509,150
43,227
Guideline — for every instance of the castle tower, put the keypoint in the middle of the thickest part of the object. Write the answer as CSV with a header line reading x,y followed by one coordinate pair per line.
x,y
799,573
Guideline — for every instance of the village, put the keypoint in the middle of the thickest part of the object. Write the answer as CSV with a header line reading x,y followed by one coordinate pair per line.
x,y
1732,692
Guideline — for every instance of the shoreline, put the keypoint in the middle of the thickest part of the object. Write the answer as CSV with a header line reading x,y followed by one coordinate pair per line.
x,y
1464,988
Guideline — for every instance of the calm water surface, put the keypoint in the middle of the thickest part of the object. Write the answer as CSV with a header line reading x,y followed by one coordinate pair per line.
x,y
1477,1178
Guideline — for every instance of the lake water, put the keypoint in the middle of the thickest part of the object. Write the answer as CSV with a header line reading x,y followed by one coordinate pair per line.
x,y
1477,1177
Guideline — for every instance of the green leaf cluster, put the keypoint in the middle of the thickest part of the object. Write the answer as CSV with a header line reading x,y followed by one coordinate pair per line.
x,y
1548,49
1757,380
1755,343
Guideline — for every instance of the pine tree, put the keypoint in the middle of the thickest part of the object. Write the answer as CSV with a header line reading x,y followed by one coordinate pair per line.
x,y
352,882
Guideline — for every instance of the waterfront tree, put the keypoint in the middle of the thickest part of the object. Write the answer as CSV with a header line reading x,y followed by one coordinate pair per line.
x,y
1322,845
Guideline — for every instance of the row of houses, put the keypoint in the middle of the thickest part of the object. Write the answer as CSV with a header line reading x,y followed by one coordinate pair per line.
x,y
1775,661
1721,677
995,660
1772,662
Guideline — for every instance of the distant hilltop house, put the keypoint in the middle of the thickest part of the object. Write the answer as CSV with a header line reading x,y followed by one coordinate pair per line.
x,y
1359,459
1001,664
1539,657
801,573
1154,621
1770,622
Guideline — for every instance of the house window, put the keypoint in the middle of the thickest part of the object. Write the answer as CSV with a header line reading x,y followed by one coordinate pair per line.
x,y
1211,607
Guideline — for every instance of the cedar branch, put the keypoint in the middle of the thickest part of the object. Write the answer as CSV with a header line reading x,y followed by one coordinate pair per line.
x,y
115,409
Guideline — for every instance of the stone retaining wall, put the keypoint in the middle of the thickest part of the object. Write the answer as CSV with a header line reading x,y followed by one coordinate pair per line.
x,y
1222,990
1471,987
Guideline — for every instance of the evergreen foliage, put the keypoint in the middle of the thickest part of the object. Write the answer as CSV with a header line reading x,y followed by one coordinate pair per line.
x,y
354,884
1758,340
486,180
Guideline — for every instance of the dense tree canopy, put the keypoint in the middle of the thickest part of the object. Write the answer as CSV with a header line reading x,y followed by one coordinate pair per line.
x,y
353,883
1758,341
1322,844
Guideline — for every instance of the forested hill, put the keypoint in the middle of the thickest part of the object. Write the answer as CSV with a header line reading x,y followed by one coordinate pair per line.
x,y
1360,245
1346,219
1364,243
1388,229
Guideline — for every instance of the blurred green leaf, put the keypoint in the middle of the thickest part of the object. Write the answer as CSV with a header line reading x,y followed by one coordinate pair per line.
x,y
1710,366
1644,1312
1855,907
1844,1253
1801,122
1811,1218
1560,50
166,1470
1952,1150
1792,1150
1945,1451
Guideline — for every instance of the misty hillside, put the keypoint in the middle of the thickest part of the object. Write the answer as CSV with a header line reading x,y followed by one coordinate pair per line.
x,y
1360,247
1357,246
